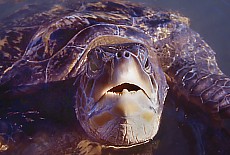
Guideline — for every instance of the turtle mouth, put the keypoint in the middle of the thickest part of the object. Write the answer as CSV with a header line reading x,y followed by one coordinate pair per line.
x,y
121,87
124,97
125,109
125,88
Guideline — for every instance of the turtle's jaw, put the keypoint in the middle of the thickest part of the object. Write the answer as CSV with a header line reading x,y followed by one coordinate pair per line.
x,y
126,88
125,116
126,100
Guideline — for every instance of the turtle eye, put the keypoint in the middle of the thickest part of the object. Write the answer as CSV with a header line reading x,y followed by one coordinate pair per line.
x,y
147,63
148,66
93,67
94,62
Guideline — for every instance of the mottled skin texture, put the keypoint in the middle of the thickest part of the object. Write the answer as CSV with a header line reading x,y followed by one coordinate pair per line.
x,y
52,46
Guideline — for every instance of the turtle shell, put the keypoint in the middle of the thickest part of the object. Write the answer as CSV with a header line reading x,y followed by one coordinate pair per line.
x,y
53,53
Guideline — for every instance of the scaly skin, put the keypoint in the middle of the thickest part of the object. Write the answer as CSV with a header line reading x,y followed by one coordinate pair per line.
x,y
193,72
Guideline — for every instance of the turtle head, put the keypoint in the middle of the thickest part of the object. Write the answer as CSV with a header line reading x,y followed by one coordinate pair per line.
x,y
120,96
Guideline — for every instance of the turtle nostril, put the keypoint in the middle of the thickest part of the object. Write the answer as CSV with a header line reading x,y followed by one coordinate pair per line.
x,y
126,54
119,54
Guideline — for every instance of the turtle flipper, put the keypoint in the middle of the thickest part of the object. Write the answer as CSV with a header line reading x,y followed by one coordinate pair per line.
x,y
196,75
191,67
21,76
209,91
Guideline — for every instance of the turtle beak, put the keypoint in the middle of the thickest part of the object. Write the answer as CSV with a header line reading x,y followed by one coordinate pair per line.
x,y
124,73
122,79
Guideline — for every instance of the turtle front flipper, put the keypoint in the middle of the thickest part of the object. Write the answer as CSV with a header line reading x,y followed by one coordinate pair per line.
x,y
192,70
208,90
22,77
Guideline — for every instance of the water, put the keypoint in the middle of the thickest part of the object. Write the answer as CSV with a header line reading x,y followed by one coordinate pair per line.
x,y
210,18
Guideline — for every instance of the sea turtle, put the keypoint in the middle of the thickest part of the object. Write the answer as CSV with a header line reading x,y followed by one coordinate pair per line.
x,y
100,70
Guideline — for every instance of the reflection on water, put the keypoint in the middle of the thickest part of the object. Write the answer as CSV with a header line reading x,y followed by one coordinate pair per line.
x,y
178,134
